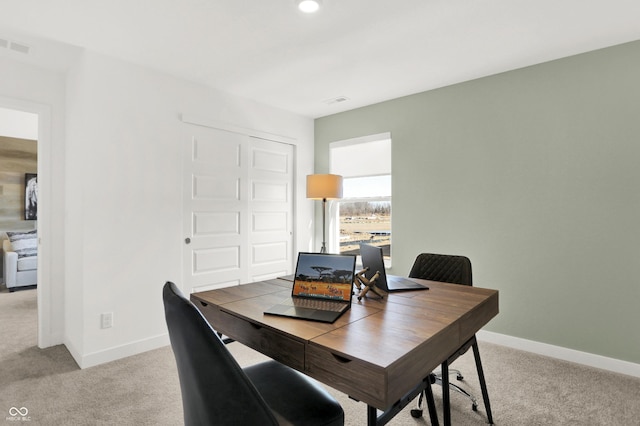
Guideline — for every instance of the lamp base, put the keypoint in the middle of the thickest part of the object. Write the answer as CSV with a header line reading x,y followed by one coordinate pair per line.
x,y
323,249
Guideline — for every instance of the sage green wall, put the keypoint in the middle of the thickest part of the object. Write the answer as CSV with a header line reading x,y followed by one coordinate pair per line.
x,y
533,174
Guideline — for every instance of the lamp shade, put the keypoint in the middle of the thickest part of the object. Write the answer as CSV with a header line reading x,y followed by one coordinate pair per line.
x,y
320,187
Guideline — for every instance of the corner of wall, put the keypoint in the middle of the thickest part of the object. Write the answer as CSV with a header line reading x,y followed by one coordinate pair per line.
x,y
129,349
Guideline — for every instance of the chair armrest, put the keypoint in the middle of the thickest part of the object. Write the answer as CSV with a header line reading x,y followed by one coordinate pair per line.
x,y
10,268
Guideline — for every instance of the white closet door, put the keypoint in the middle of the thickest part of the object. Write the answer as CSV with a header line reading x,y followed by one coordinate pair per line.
x,y
237,208
270,206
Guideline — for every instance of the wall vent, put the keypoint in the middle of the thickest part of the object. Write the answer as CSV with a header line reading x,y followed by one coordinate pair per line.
x,y
15,46
336,100
19,47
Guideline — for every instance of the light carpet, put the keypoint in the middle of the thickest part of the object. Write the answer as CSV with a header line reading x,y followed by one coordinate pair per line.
x,y
525,389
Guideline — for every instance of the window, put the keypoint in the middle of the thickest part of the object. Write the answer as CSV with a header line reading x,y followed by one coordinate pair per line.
x,y
364,212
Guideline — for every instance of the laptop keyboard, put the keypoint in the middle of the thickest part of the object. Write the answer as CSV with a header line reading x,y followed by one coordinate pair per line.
x,y
322,305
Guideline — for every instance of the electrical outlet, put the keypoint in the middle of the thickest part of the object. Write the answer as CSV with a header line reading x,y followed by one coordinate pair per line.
x,y
107,320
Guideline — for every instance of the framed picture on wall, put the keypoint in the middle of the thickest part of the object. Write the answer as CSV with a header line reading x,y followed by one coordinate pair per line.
x,y
31,196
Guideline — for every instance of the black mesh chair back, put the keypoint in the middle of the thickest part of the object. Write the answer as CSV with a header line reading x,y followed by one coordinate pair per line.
x,y
443,268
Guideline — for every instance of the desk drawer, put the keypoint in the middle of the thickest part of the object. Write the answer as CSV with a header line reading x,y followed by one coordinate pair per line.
x,y
275,345
359,380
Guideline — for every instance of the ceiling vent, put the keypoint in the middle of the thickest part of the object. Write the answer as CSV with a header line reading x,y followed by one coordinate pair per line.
x,y
337,100
15,46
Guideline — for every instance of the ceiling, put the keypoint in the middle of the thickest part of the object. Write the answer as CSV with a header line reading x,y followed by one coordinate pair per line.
x,y
365,50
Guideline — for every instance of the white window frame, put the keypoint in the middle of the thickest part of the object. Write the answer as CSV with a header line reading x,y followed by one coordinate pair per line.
x,y
334,228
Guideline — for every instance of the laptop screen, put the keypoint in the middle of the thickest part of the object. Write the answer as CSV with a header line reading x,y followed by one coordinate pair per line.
x,y
324,276
373,259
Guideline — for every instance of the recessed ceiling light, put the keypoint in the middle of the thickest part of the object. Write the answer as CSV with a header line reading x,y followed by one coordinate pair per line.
x,y
309,6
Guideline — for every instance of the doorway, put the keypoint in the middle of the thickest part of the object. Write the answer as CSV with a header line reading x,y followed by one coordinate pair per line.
x,y
39,129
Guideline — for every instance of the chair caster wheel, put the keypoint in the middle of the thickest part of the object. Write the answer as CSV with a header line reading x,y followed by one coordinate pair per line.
x,y
416,413
474,407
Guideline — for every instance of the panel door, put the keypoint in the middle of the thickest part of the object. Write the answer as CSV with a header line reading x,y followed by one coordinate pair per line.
x,y
270,198
237,208
213,203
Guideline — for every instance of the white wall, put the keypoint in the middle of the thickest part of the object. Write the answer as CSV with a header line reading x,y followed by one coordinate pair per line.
x,y
124,195
115,177
29,88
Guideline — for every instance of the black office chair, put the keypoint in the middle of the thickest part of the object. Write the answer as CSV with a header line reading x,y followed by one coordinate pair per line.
x,y
216,390
455,270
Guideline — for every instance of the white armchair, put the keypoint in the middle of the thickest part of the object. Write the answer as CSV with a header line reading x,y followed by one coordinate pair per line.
x,y
19,271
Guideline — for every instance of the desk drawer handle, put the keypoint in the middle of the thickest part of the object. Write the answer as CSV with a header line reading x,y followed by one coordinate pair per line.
x,y
341,359
204,304
256,326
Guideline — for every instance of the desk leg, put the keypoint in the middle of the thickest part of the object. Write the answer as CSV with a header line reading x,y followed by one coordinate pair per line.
x,y
483,383
431,404
446,406
373,419
372,416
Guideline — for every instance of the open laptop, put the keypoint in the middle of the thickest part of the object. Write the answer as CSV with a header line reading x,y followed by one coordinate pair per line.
x,y
372,258
322,288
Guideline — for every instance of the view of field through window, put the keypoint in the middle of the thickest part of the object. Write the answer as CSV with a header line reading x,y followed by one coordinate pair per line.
x,y
365,222
365,208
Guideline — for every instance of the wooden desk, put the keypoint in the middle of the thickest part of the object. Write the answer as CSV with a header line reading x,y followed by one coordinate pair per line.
x,y
377,352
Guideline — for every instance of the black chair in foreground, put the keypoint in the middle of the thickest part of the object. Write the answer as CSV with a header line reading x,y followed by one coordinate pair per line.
x,y
454,270
217,391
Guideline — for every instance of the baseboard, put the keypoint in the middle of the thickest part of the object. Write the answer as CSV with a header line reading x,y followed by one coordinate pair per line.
x,y
74,353
53,339
118,352
565,354
558,352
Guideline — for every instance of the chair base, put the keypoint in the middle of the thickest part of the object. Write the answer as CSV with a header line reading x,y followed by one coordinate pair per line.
x,y
453,386
439,379
427,393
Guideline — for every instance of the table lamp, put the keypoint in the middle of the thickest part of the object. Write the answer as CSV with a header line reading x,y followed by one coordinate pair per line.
x,y
324,187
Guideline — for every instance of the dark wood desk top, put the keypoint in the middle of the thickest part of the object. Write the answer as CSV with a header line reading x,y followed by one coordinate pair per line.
x,y
375,352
